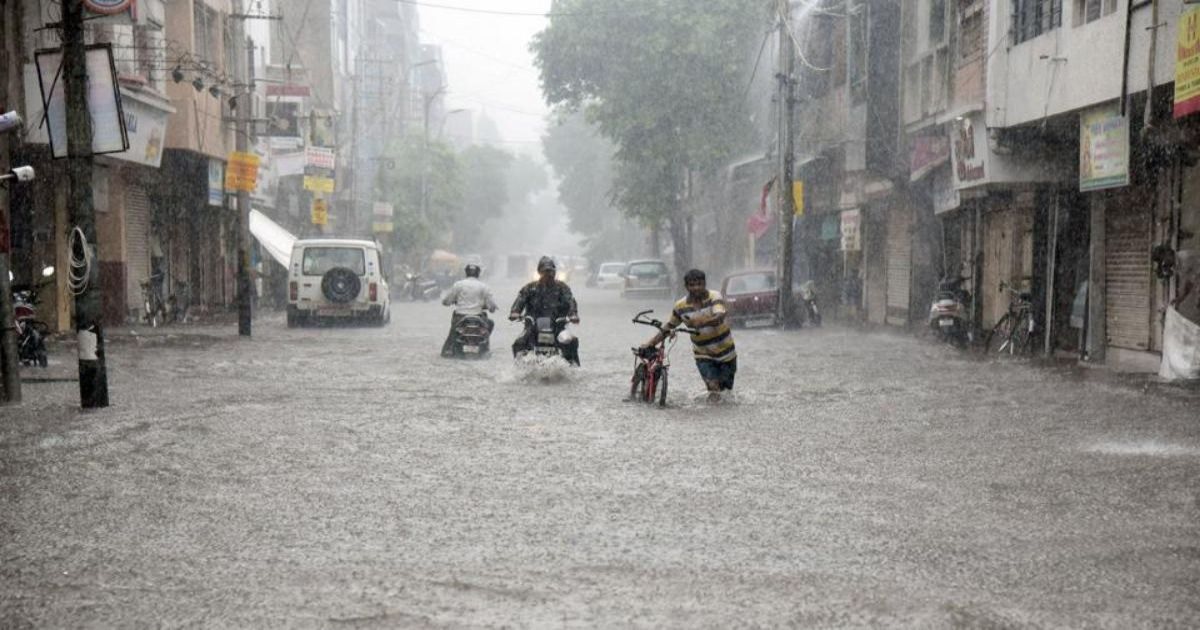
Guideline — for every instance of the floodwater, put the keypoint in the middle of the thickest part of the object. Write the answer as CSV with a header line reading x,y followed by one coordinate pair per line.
x,y
332,476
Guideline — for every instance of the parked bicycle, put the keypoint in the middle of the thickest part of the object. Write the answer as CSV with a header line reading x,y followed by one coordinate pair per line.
x,y
652,364
154,308
1013,334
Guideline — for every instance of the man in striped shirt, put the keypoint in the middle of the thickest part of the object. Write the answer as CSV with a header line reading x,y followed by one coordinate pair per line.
x,y
712,345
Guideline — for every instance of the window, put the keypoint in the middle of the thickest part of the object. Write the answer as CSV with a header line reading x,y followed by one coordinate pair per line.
x,y
937,22
203,42
1031,18
318,260
1091,10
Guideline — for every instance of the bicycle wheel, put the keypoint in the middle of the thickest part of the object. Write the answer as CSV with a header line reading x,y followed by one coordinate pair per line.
x,y
638,383
662,387
1022,335
651,386
999,338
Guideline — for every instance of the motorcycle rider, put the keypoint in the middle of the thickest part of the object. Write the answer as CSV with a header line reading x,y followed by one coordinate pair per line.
x,y
469,296
545,297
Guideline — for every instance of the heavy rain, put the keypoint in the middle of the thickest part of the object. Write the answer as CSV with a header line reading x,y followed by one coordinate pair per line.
x,y
600,313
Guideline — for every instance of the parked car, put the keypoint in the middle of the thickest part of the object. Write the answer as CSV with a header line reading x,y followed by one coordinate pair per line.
x,y
611,275
336,279
751,298
647,278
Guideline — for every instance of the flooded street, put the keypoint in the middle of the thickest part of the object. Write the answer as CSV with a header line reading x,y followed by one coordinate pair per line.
x,y
318,476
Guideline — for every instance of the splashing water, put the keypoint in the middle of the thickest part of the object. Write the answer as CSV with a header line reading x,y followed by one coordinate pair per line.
x,y
535,368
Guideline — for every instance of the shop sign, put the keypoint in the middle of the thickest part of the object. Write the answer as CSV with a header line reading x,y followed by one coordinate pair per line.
x,y
1187,63
278,89
830,227
216,183
383,209
320,212
1103,148
288,163
241,171
316,183
798,198
146,126
926,154
382,226
969,149
103,100
319,157
945,196
851,230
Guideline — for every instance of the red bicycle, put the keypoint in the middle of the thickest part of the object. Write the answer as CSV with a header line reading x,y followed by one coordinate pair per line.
x,y
652,364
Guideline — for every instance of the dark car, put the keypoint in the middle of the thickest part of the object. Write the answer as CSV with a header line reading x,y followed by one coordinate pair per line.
x,y
751,298
647,278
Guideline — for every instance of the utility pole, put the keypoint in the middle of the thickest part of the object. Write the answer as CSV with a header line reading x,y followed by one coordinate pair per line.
x,y
10,376
786,205
93,375
241,144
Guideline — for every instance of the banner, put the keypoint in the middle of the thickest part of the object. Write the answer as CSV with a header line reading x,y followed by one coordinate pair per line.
x,y
798,198
320,157
851,230
241,171
216,181
1103,148
316,183
320,212
1187,63
758,222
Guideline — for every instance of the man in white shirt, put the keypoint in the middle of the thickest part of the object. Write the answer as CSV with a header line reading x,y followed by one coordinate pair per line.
x,y
469,296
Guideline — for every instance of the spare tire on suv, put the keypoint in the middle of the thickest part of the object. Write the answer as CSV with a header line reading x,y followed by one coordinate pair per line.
x,y
340,285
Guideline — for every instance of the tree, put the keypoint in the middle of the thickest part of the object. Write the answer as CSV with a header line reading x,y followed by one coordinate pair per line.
x,y
485,193
416,232
660,79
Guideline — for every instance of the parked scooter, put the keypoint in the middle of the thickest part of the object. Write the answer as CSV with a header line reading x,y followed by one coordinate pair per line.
x,y
948,316
418,287
31,333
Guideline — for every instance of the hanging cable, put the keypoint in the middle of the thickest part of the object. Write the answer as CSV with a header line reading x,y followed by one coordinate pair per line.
x,y
80,273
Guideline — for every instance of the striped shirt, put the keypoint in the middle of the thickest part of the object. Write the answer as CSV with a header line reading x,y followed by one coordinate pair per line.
x,y
714,342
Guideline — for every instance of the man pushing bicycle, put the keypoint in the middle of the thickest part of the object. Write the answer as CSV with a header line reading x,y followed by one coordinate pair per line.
x,y
712,345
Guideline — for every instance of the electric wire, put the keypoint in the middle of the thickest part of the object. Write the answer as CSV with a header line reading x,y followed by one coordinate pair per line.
x,y
80,272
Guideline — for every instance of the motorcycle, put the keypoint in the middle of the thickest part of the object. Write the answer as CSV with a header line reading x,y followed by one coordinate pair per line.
x,y
549,336
808,302
472,337
31,333
418,287
948,316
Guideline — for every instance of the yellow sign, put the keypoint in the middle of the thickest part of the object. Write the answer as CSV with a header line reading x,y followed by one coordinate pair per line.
x,y
320,212
318,184
382,226
1187,64
798,197
241,171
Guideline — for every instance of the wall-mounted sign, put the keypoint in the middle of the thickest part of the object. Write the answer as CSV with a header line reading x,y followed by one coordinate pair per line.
x,y
927,153
382,226
1103,148
103,100
1187,63
851,230
383,209
969,150
241,171
316,183
798,197
320,212
321,157
146,127
107,7
216,182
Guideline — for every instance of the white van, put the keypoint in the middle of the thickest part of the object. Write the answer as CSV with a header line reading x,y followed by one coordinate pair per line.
x,y
332,278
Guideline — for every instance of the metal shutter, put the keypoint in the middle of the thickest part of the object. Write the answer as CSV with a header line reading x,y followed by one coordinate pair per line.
x,y
899,263
137,237
1127,274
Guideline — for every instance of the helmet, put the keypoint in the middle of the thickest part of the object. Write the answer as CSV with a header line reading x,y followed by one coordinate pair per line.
x,y
472,270
546,264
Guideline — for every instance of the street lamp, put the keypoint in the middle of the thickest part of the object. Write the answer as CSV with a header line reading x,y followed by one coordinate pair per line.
x,y
445,117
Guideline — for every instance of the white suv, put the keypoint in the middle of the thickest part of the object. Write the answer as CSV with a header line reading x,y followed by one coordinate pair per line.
x,y
336,279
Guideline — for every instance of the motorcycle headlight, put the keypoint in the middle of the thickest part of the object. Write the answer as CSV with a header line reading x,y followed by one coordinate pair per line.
x,y
565,337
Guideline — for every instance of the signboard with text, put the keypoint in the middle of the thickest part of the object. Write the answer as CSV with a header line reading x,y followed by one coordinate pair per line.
x,y
1187,63
1103,148
316,183
320,212
241,171
851,230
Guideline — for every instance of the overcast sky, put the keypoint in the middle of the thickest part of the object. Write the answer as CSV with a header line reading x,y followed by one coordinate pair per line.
x,y
488,64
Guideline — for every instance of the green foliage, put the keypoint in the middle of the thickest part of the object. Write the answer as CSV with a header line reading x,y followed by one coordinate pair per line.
x,y
417,233
662,80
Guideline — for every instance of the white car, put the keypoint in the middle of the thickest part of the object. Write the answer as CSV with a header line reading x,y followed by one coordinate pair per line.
x,y
610,275
336,279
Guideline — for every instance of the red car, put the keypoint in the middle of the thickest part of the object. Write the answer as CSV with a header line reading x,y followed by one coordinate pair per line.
x,y
751,298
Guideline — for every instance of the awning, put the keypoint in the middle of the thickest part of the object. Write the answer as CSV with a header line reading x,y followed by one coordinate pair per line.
x,y
274,240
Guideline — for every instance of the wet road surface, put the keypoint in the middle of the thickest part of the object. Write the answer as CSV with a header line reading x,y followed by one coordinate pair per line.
x,y
350,477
